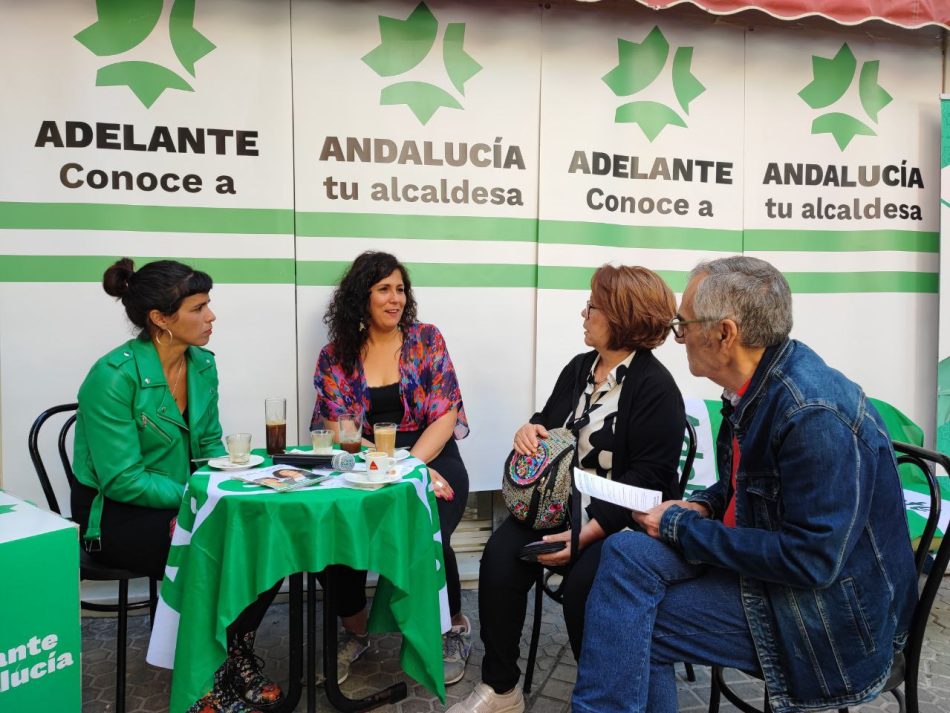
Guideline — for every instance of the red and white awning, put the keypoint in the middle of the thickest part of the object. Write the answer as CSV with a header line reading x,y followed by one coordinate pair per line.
x,y
903,13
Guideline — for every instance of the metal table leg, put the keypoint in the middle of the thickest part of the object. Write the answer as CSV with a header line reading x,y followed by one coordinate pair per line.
x,y
337,699
293,690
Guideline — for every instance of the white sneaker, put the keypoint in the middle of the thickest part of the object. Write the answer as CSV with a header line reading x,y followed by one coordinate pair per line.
x,y
456,646
351,648
484,700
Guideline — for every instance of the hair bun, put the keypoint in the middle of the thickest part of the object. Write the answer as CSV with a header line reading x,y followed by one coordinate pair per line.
x,y
115,281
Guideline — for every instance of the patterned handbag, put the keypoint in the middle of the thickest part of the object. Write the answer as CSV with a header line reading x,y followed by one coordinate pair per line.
x,y
537,488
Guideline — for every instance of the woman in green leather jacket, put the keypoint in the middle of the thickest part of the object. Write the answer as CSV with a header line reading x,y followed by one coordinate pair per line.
x,y
146,409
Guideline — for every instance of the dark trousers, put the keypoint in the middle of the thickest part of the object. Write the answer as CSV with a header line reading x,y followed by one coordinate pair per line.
x,y
138,539
350,584
503,585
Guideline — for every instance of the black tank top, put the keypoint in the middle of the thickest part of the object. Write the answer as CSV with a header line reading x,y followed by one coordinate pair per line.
x,y
385,405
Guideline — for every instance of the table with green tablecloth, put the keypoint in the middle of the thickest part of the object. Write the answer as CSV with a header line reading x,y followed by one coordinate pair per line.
x,y
234,540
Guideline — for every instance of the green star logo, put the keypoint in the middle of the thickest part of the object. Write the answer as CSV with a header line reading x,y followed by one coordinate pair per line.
x,y
4,509
639,64
832,78
124,25
404,44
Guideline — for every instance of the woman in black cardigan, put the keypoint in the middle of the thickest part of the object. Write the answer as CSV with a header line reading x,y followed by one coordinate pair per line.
x,y
629,417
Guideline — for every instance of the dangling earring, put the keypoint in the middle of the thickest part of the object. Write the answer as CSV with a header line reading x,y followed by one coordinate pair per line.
x,y
362,326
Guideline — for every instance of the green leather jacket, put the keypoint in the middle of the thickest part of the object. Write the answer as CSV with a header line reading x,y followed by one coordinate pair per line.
x,y
132,444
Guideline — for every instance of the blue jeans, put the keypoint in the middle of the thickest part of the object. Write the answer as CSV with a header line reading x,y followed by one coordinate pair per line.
x,y
648,609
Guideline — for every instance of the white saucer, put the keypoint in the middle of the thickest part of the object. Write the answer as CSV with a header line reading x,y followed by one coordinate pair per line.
x,y
360,480
399,454
223,463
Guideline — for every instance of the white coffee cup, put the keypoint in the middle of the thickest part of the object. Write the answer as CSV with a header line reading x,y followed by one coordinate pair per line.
x,y
378,465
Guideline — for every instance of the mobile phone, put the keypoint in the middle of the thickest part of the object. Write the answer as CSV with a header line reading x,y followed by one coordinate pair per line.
x,y
530,552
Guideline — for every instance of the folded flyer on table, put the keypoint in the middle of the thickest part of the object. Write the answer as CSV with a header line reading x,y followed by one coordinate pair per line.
x,y
628,496
280,477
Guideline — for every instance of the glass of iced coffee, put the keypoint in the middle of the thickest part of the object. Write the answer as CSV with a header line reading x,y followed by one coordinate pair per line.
x,y
384,436
351,431
275,423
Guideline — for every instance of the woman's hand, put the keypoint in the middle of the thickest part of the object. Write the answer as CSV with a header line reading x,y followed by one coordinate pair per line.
x,y
441,486
560,558
526,439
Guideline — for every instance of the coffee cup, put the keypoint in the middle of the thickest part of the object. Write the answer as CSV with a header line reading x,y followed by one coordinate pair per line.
x,y
239,447
379,465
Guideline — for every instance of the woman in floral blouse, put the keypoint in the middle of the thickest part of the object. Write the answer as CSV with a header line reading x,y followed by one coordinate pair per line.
x,y
385,365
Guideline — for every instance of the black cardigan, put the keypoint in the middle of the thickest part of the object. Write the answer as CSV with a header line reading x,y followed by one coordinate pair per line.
x,y
648,433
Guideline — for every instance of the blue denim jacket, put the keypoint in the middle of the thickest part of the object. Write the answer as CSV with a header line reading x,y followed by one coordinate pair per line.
x,y
821,543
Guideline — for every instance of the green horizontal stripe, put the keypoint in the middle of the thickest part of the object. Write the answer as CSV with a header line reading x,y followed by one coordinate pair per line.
x,y
416,227
147,218
430,274
552,277
89,268
832,282
573,232
578,278
843,240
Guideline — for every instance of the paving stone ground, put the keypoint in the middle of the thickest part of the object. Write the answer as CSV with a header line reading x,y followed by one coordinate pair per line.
x,y
147,689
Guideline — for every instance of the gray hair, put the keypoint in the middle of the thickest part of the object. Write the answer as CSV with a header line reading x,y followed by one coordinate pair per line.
x,y
749,291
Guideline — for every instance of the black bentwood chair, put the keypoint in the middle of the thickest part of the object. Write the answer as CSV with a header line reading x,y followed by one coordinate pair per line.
x,y
543,584
90,569
906,664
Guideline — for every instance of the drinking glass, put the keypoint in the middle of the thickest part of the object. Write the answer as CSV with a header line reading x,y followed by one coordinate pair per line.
x,y
384,437
351,431
275,421
322,440
239,447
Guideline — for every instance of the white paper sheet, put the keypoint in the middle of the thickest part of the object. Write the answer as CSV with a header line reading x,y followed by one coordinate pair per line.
x,y
628,496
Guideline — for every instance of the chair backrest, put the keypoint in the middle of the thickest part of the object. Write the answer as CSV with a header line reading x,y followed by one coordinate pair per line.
x,y
38,465
927,461
690,453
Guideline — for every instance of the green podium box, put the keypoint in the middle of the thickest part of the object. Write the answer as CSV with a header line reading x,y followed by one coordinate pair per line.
x,y
40,637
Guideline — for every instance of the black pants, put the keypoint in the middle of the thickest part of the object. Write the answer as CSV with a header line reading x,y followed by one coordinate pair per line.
x,y
503,585
350,584
138,539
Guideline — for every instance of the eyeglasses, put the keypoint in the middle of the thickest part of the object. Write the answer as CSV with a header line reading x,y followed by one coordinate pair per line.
x,y
590,306
677,324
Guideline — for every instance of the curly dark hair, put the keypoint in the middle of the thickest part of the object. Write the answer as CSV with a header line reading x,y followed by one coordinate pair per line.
x,y
349,304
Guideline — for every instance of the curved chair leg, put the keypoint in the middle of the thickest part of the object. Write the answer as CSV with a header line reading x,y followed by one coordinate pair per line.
x,y
120,653
152,601
535,631
714,691
690,673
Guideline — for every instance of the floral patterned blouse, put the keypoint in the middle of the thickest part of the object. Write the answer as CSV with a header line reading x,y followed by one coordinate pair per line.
x,y
428,386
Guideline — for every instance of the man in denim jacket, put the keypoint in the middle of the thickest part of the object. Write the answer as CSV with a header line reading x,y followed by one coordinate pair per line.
x,y
797,564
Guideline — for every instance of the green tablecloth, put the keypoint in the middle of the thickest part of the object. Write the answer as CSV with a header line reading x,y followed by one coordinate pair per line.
x,y
234,541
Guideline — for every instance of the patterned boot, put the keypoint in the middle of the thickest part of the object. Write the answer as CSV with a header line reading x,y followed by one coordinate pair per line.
x,y
245,676
221,699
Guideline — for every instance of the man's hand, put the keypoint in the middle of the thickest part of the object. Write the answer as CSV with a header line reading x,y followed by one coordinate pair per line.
x,y
650,520
526,438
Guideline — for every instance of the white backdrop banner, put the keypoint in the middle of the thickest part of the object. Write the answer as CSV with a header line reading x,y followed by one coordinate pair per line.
x,y
501,150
